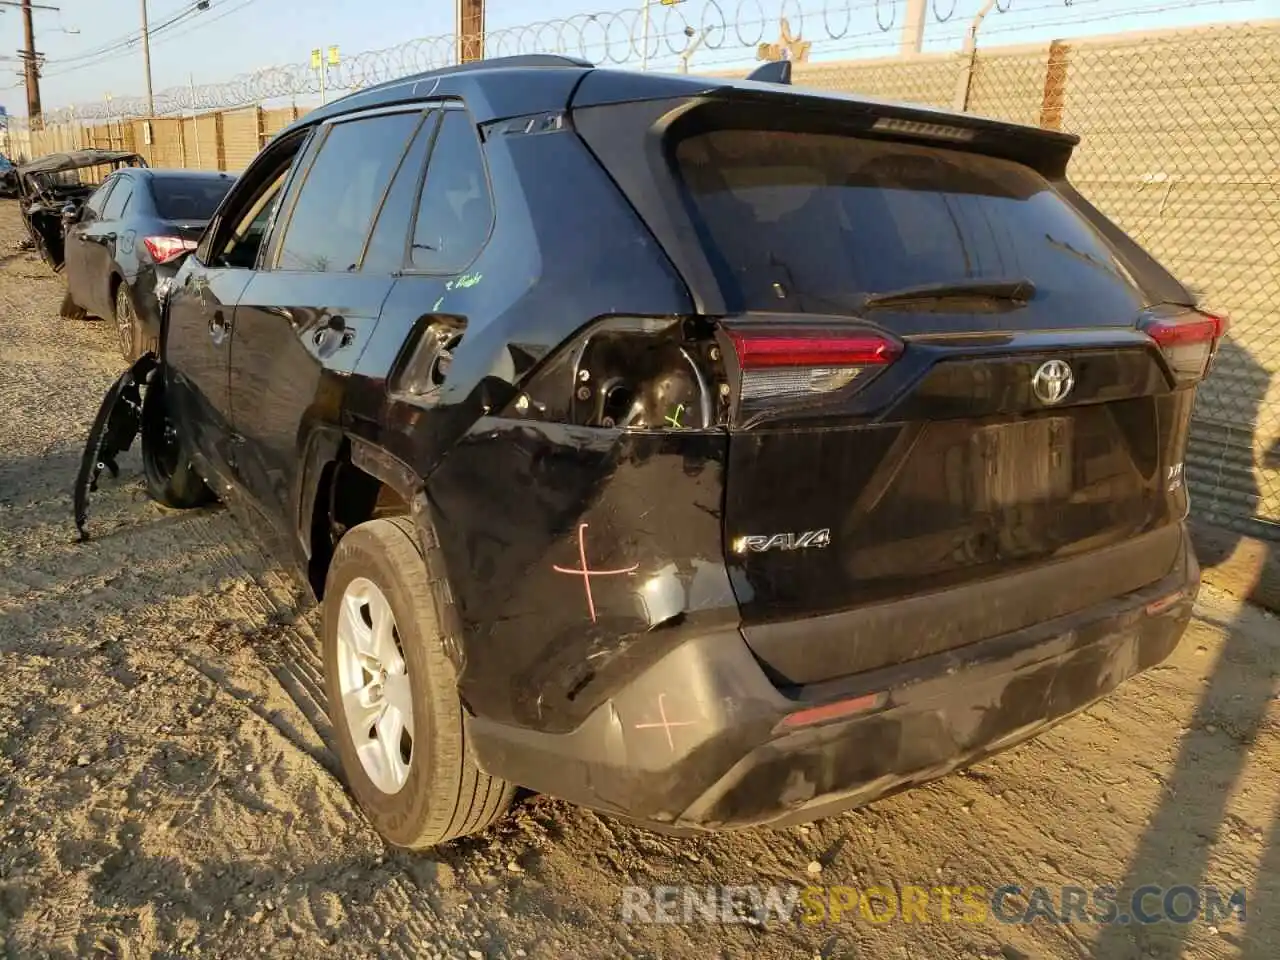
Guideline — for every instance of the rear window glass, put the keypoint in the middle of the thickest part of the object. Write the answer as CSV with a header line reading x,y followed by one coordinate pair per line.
x,y
813,222
182,198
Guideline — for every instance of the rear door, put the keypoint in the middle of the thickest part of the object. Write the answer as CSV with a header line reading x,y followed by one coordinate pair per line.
x,y
947,417
74,252
100,240
301,324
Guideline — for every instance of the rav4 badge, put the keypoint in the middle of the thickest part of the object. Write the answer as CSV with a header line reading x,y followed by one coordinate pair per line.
x,y
763,543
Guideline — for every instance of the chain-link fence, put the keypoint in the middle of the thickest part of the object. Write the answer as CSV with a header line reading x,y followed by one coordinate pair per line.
x,y
1181,146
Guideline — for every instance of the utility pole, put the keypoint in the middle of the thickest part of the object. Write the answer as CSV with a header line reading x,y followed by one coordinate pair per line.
x,y
470,30
34,111
913,27
30,58
146,60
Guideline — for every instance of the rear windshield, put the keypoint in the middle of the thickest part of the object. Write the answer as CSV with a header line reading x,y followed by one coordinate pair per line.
x,y
813,222
188,198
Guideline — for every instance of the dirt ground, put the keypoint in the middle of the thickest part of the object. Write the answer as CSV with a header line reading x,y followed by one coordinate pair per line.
x,y
166,787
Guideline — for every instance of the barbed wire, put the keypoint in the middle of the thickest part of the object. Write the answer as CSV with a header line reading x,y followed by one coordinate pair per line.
x,y
619,37
616,37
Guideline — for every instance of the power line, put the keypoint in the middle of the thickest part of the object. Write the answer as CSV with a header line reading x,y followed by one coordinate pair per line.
x,y
110,46
125,44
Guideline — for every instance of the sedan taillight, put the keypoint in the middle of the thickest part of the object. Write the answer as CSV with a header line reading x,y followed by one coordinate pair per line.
x,y
164,249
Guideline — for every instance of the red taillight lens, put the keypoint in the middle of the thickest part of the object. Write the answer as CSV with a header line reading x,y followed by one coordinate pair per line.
x,y
164,249
785,365
1187,341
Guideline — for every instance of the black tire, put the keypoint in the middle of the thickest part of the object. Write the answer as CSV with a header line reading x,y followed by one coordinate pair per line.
x,y
445,795
133,343
171,479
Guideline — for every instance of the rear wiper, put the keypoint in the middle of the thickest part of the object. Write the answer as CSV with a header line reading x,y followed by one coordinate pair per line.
x,y
1019,290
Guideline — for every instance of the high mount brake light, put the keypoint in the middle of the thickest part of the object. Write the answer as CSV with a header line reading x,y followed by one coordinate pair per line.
x,y
786,365
1187,341
164,249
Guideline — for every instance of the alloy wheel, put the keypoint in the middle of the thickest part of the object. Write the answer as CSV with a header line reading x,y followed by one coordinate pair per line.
x,y
373,677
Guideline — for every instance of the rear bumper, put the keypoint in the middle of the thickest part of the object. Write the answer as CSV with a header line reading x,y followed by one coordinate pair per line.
x,y
698,740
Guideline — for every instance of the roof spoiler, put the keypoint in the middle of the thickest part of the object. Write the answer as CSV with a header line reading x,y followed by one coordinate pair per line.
x,y
775,71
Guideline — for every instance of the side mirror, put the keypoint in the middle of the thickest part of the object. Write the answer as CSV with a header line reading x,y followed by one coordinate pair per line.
x,y
70,213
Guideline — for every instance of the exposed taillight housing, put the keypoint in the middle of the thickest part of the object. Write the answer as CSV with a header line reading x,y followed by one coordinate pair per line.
x,y
164,249
1188,339
784,364
643,373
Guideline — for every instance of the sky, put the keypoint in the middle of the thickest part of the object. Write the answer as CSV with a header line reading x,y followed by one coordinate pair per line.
x,y
238,36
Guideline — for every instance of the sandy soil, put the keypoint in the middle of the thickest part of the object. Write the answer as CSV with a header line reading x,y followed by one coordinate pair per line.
x,y
166,786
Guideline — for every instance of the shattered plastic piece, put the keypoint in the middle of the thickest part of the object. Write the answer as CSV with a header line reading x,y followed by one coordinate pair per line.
x,y
112,433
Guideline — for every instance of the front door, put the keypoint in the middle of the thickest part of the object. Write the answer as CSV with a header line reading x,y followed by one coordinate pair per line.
x,y
198,333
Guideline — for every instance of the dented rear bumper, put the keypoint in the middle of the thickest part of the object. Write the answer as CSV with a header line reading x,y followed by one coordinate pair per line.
x,y
700,740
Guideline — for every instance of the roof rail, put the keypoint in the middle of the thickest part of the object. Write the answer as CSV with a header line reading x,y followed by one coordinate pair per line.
x,y
775,71
517,60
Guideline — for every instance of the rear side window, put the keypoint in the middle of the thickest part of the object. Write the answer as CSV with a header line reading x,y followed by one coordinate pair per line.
x,y
188,198
115,206
338,200
456,210
98,198
812,222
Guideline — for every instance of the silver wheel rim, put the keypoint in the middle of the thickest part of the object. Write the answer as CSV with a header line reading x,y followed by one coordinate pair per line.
x,y
373,679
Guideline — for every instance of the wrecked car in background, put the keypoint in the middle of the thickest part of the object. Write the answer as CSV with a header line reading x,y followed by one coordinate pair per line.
x,y
8,178
127,242
709,453
52,188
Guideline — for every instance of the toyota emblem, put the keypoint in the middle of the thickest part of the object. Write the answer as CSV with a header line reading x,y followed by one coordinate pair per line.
x,y
1053,381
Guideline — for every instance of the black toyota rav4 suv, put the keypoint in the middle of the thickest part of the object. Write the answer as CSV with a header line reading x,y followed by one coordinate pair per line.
x,y
710,453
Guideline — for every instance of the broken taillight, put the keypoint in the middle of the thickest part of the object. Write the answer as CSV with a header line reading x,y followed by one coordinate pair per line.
x,y
164,249
1188,340
784,365
642,373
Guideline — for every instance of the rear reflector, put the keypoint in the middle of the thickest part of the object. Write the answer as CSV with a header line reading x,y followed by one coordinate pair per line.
x,y
1187,342
785,365
833,711
164,249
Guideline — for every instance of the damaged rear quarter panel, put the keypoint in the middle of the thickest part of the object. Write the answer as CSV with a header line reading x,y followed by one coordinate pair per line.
x,y
545,644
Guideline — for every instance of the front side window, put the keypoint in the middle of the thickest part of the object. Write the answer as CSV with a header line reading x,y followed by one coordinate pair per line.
x,y
242,246
342,192
456,210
